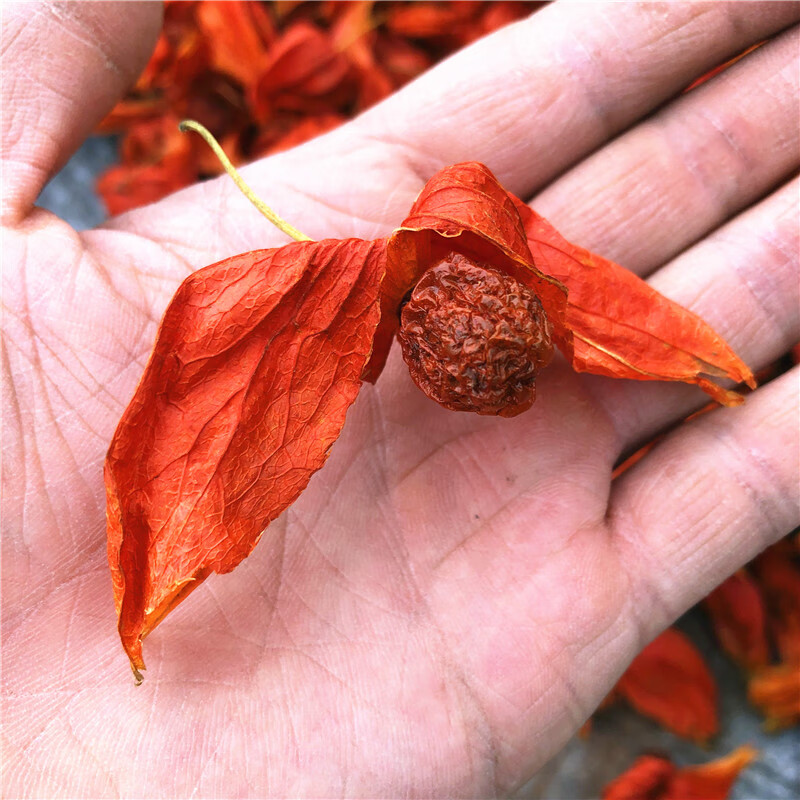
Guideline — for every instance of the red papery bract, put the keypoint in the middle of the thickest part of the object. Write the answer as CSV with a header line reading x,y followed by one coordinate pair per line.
x,y
256,362
775,691
670,682
238,33
624,328
778,578
605,319
463,208
738,616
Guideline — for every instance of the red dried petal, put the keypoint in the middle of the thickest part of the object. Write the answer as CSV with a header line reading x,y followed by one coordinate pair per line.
x,y
461,209
623,327
739,618
256,362
670,682
657,778
778,578
775,691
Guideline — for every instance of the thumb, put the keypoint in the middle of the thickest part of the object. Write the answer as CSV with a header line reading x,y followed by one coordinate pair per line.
x,y
64,66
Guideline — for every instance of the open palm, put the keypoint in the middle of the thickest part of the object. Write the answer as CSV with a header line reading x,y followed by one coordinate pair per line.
x,y
453,594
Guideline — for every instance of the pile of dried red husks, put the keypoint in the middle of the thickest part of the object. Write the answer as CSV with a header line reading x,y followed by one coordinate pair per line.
x,y
264,77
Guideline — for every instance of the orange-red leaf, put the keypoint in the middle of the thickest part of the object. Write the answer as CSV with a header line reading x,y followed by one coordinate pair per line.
x,y
257,360
237,32
656,778
737,612
612,322
775,691
648,777
462,208
670,682
779,580
623,327
305,73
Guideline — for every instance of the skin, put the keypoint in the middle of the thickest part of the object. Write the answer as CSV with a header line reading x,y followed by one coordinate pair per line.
x,y
453,594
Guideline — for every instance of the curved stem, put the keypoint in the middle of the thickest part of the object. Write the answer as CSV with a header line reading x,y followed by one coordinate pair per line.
x,y
290,230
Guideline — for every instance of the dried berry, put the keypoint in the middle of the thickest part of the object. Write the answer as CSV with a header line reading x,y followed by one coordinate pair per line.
x,y
474,338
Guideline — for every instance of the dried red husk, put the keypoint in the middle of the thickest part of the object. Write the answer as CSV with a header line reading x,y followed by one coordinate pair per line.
x,y
739,618
778,576
306,73
275,343
670,682
462,209
634,458
157,157
629,330
257,359
239,34
721,68
654,777
775,691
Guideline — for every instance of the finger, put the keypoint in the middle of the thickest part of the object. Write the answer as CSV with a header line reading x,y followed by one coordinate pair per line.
x,y
743,281
659,187
541,94
64,66
707,500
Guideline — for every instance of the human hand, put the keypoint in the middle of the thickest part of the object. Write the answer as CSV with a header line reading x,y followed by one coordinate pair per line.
x,y
453,594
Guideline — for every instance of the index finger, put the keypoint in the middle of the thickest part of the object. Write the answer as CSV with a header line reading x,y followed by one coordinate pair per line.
x,y
539,95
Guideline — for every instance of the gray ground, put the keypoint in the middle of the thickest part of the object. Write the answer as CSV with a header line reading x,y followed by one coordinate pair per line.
x,y
618,735
71,193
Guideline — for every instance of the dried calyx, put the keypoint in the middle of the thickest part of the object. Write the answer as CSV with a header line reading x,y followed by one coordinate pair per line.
x,y
475,338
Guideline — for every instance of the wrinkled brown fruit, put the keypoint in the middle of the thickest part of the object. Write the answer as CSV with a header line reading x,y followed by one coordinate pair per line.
x,y
474,338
